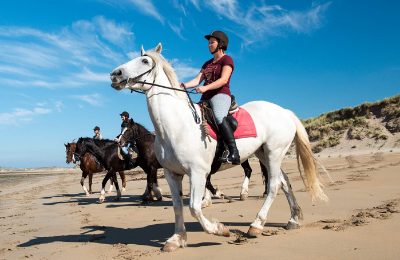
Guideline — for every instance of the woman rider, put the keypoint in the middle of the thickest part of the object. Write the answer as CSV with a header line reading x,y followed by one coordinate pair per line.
x,y
97,134
216,74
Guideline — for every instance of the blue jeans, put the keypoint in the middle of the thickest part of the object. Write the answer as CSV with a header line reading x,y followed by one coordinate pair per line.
x,y
220,105
124,149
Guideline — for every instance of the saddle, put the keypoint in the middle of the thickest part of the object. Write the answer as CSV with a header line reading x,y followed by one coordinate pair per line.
x,y
210,118
134,153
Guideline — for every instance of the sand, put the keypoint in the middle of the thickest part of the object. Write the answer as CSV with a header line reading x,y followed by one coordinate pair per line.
x,y
48,217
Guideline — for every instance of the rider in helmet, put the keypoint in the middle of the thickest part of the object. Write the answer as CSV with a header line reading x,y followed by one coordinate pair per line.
x,y
97,134
127,152
216,74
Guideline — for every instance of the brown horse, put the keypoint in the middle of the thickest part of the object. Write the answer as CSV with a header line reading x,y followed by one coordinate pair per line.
x,y
89,166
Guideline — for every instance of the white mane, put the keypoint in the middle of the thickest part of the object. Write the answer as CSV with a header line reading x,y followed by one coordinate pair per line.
x,y
160,61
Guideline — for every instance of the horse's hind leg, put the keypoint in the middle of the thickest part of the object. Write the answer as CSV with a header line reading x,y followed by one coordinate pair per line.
x,y
244,193
179,237
264,172
207,196
296,212
272,161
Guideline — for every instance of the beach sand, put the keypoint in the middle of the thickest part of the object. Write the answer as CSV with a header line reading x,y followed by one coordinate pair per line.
x,y
48,217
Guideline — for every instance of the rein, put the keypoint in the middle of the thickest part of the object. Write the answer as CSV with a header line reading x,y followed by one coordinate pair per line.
x,y
133,80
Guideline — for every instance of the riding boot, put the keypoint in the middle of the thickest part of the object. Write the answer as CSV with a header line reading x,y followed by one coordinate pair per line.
x,y
227,134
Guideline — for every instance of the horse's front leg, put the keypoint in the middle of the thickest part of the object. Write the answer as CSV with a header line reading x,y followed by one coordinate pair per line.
x,y
84,175
153,179
147,196
103,185
111,186
123,178
197,185
179,237
244,192
90,182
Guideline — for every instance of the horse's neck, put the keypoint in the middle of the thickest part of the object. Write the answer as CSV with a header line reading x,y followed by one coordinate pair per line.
x,y
167,111
95,149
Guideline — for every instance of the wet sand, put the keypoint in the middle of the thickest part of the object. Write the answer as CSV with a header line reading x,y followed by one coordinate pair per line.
x,y
49,217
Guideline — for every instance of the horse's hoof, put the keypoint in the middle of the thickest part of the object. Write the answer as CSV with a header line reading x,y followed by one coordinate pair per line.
x,y
292,225
223,231
254,232
159,199
117,199
169,247
87,194
243,196
101,201
206,204
108,192
123,189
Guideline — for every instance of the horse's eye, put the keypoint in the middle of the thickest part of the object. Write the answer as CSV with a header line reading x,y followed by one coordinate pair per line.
x,y
145,61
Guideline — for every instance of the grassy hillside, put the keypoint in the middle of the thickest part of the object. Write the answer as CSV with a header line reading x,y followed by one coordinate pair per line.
x,y
376,121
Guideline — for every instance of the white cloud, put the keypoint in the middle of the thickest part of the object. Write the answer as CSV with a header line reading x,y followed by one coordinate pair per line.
x,y
59,105
177,29
88,75
260,22
133,55
21,115
41,104
144,6
94,99
18,70
184,71
41,111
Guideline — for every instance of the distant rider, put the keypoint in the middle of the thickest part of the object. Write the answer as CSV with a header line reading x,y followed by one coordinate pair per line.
x,y
124,126
97,134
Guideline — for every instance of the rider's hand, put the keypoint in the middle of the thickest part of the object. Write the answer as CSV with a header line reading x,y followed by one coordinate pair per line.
x,y
201,89
116,139
181,85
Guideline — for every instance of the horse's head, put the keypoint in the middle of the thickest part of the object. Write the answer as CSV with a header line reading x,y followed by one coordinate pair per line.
x,y
127,75
70,149
129,135
80,150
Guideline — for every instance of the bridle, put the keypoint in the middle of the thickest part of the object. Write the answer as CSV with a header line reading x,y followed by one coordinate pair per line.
x,y
130,140
134,80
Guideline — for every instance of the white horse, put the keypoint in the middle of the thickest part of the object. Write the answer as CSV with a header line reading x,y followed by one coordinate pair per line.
x,y
182,148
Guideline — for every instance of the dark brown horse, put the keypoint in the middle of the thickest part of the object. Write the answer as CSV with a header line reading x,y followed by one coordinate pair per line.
x,y
139,136
89,166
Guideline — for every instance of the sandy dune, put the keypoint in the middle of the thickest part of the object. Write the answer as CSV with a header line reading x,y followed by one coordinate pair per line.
x,y
48,217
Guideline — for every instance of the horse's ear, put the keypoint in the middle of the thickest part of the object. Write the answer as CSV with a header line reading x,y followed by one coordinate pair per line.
x,y
141,51
65,145
158,48
131,122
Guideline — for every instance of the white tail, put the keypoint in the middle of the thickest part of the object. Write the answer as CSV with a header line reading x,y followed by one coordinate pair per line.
x,y
311,177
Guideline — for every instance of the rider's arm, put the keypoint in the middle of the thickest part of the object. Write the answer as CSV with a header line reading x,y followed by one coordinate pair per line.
x,y
101,137
196,81
225,74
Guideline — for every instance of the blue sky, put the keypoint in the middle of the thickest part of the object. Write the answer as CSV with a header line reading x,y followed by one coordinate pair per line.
x,y
56,56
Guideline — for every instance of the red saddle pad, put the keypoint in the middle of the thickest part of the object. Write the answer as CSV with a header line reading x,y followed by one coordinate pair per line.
x,y
246,127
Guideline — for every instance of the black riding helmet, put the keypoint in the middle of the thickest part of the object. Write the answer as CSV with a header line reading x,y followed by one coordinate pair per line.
x,y
126,114
96,128
222,39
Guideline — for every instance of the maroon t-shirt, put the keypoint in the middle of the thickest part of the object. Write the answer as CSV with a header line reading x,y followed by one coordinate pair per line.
x,y
211,72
